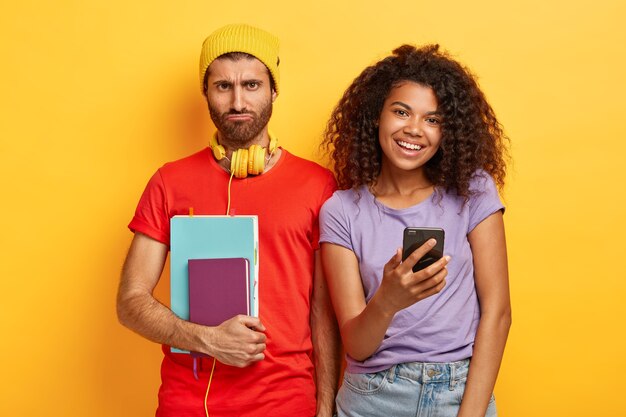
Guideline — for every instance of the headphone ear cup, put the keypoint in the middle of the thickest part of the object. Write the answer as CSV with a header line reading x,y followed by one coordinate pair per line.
x,y
242,164
251,160
260,161
256,160
234,162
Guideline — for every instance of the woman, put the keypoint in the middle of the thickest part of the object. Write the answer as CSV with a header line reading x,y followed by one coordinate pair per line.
x,y
414,142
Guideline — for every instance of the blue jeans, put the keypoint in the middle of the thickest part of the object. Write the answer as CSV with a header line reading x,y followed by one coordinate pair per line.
x,y
412,389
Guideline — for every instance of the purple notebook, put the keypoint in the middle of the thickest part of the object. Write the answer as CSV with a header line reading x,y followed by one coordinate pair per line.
x,y
218,290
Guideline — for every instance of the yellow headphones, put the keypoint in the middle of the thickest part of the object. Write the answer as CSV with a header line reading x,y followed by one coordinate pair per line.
x,y
244,161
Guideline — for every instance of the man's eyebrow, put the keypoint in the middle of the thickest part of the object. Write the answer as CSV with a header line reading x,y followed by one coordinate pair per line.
x,y
243,82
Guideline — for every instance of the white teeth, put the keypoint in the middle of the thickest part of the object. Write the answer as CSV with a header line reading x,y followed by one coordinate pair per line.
x,y
409,145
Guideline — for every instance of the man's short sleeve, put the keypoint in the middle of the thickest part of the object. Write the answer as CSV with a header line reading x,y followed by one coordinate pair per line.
x,y
151,216
334,225
484,199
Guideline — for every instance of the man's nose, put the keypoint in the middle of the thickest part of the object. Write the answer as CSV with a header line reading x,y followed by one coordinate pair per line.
x,y
237,99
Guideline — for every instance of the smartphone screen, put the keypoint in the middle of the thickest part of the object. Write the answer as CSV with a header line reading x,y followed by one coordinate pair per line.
x,y
414,237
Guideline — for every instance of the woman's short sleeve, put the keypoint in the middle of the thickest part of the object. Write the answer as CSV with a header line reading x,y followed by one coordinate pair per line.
x,y
334,225
484,199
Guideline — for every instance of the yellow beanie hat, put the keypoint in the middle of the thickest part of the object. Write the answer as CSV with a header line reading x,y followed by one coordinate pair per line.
x,y
241,38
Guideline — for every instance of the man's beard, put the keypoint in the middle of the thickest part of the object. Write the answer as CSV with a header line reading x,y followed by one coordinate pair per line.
x,y
239,134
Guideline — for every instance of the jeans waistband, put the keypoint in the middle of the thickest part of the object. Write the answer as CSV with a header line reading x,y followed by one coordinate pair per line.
x,y
424,372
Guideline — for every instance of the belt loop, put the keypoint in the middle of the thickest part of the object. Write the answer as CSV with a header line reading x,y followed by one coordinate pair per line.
x,y
452,376
392,373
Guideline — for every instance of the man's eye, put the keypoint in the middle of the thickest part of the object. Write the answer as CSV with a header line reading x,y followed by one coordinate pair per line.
x,y
223,86
253,85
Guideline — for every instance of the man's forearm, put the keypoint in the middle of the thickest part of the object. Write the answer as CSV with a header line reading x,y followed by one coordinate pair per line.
x,y
326,344
143,314
233,342
137,308
327,359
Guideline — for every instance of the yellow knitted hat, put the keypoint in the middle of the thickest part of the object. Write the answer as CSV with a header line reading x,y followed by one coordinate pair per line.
x,y
241,38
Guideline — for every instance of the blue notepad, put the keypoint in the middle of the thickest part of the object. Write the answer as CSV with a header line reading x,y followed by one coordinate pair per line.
x,y
210,237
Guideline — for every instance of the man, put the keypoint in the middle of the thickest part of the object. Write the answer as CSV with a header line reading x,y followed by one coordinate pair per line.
x,y
264,366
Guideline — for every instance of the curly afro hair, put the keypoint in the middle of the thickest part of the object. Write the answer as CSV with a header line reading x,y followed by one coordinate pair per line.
x,y
472,137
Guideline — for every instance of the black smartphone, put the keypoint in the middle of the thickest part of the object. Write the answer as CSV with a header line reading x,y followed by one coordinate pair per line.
x,y
414,237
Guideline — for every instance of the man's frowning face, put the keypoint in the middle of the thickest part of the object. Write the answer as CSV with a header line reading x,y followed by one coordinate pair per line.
x,y
240,99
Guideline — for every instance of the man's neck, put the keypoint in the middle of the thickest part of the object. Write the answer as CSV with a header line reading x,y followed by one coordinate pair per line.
x,y
262,139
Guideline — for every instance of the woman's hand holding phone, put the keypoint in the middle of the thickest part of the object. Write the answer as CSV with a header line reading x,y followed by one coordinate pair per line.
x,y
401,287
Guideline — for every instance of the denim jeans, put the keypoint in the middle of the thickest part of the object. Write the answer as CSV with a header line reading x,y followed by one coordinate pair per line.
x,y
413,389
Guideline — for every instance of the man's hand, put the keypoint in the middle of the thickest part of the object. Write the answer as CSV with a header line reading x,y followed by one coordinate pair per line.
x,y
238,341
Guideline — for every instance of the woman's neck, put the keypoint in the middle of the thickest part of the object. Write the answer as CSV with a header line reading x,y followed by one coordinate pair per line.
x,y
401,189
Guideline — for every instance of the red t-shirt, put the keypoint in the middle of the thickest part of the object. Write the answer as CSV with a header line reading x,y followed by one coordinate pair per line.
x,y
287,200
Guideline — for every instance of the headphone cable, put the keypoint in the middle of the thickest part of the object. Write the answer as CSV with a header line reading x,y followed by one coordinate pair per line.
x,y
232,173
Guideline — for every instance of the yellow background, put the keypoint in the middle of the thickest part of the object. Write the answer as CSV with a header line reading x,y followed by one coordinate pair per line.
x,y
96,95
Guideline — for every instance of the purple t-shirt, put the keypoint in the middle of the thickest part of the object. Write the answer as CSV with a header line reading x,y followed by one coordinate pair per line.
x,y
440,328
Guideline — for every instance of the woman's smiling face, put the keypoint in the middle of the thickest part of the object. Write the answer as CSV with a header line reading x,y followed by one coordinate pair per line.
x,y
409,128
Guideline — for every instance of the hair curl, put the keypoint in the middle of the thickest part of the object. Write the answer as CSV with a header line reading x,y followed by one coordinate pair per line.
x,y
472,137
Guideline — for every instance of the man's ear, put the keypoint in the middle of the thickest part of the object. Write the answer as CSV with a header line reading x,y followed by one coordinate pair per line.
x,y
274,95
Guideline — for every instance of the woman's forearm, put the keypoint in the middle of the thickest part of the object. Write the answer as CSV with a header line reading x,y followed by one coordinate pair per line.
x,y
363,334
491,337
